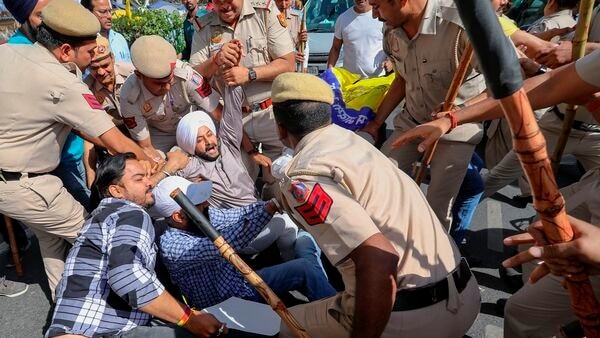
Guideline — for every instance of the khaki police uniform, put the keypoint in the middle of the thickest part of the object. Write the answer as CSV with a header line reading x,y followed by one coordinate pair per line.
x,y
147,115
110,101
41,101
427,63
560,19
342,191
264,38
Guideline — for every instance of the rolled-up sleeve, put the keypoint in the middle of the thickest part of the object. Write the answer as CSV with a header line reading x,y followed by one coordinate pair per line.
x,y
131,259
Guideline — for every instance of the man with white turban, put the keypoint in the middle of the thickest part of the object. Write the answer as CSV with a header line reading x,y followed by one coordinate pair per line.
x,y
217,157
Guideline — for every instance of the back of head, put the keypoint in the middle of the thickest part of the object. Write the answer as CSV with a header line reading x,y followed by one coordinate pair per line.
x,y
301,102
65,21
567,4
111,171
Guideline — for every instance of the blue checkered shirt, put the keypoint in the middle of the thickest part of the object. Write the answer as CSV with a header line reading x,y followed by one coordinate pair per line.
x,y
109,273
195,265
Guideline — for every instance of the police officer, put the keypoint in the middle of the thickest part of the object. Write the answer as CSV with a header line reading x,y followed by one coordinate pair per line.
x,y
254,27
292,19
399,266
161,91
426,49
107,77
41,99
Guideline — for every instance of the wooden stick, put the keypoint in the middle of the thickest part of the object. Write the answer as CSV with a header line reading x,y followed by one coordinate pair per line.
x,y
586,7
457,80
302,44
229,254
500,66
530,146
14,249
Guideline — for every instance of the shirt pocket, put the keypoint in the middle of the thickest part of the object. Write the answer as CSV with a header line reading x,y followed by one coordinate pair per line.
x,y
257,51
436,78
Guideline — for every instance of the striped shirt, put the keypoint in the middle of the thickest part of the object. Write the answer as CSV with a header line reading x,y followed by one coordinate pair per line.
x,y
109,273
195,265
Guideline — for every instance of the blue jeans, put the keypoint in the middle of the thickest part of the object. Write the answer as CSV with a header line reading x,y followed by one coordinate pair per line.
x,y
467,200
72,174
304,273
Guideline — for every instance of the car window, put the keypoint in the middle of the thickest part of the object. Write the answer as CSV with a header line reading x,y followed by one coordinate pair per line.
x,y
321,15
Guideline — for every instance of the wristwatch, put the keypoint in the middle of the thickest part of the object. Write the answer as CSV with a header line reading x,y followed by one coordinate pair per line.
x,y
255,150
251,74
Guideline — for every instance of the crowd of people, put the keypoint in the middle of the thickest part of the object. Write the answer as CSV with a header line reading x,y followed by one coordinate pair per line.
x,y
95,135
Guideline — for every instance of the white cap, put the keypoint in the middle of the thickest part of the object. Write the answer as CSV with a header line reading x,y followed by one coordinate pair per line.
x,y
165,206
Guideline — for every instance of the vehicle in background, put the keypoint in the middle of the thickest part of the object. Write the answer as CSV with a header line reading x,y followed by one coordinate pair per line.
x,y
320,22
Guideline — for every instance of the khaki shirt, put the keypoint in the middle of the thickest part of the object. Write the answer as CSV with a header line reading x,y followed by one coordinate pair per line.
x,y
142,109
560,19
263,36
111,100
342,191
427,63
294,24
41,100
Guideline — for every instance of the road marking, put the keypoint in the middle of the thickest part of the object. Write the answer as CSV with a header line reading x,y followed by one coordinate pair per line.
x,y
494,224
492,331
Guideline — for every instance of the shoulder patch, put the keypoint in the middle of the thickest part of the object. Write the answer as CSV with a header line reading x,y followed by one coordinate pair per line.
x,y
316,208
130,122
282,20
92,101
204,89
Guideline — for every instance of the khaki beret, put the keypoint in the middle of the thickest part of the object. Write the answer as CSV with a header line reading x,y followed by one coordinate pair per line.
x,y
153,56
102,50
70,19
300,86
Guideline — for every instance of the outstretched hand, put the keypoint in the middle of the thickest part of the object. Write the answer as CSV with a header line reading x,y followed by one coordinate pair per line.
x,y
429,132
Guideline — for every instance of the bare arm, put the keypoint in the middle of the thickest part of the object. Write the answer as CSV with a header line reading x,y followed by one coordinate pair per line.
x,y
117,143
334,52
269,72
376,263
149,150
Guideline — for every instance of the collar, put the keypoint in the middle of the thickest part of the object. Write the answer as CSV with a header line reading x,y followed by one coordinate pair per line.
x,y
112,200
562,12
44,55
311,136
443,9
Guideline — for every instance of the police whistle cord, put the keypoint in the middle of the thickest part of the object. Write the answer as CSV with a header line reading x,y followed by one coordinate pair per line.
x,y
503,76
457,80
229,254
586,7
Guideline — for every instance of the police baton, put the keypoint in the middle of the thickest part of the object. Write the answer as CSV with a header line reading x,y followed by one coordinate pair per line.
x,y
229,254
502,72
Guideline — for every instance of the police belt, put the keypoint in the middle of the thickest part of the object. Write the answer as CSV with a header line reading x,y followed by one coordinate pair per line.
x,y
257,106
578,125
424,296
15,176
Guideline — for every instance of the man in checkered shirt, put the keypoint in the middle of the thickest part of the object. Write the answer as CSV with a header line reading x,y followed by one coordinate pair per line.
x,y
109,286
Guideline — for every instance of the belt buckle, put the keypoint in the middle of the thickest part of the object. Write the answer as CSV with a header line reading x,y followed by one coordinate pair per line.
x,y
255,107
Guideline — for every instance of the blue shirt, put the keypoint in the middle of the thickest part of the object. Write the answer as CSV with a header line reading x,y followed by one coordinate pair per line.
x,y
196,266
109,273
73,147
119,47
188,32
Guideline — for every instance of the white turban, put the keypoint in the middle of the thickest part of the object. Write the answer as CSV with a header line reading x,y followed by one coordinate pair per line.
x,y
187,130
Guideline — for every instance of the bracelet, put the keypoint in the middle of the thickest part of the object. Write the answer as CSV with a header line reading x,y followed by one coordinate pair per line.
x,y
186,316
277,205
166,173
453,121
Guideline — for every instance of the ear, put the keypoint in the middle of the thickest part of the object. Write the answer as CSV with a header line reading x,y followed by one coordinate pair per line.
x,y
65,52
283,133
179,217
115,191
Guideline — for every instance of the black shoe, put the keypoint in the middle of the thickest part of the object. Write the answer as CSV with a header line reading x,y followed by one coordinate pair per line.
x,y
511,277
500,305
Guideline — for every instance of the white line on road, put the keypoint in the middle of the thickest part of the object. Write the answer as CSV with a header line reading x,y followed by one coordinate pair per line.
x,y
494,225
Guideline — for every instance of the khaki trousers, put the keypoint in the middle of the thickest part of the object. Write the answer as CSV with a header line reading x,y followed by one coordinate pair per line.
x,y
451,318
448,169
261,127
45,206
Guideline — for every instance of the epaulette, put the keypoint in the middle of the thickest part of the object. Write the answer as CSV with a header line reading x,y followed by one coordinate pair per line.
x,y
296,12
261,4
449,12
134,90
182,71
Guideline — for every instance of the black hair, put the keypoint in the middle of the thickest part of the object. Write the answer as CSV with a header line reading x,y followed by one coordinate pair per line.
x,y
111,171
302,117
567,4
87,4
50,39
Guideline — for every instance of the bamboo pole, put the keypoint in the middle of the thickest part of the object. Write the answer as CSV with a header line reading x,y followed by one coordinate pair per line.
x,y
229,254
457,80
586,7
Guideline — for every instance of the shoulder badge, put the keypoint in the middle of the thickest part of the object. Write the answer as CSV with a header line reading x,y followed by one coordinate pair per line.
x,y
317,206
92,101
147,107
217,36
130,122
282,20
204,89
299,191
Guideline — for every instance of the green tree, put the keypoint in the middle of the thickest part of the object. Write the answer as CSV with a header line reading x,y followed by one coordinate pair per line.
x,y
151,22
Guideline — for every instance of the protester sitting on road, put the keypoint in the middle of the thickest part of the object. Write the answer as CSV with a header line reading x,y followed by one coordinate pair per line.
x,y
109,286
204,277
